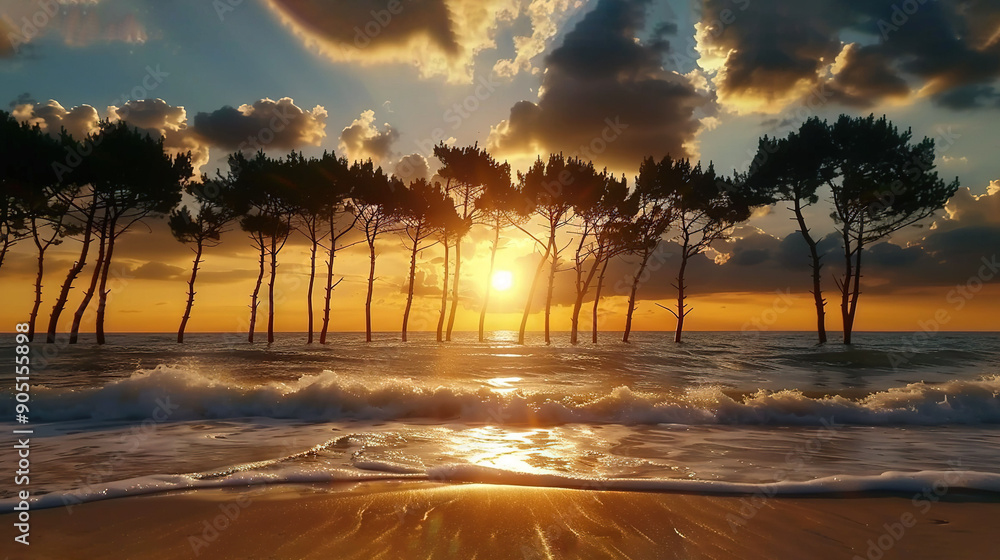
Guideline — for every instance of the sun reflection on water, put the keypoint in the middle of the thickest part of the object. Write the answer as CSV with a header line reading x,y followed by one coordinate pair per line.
x,y
543,451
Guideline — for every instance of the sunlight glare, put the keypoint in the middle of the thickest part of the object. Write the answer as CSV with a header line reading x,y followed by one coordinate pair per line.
x,y
503,280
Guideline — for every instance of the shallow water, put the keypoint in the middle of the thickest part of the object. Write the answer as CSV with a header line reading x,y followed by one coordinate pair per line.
x,y
144,413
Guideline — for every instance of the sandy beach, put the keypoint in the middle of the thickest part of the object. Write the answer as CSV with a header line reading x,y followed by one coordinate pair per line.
x,y
425,520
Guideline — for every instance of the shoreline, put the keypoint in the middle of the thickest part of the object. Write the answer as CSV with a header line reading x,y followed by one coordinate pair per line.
x,y
426,519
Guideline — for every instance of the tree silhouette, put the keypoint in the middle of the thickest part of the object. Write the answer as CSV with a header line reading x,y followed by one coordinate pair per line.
x,y
319,190
32,192
792,170
377,205
203,229
597,202
885,184
468,173
16,149
707,207
654,214
424,210
137,179
546,191
497,206
262,185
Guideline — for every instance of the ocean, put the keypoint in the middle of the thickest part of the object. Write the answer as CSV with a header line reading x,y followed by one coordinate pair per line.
x,y
722,412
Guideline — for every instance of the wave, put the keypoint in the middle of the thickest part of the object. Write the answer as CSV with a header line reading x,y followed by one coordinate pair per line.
x,y
174,394
939,482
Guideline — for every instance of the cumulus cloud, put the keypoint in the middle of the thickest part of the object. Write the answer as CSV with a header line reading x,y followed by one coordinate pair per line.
x,y
265,124
605,96
52,117
412,167
363,139
766,54
545,17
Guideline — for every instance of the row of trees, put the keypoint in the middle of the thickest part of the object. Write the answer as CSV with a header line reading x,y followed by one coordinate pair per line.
x,y
578,217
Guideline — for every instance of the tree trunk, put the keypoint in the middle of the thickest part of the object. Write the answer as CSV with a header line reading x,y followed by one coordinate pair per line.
x,y
581,293
270,289
309,289
489,282
191,292
681,313
597,298
102,292
531,292
444,294
254,302
845,287
413,276
42,247
74,271
329,284
635,288
816,266
454,289
554,255
855,293
89,294
371,287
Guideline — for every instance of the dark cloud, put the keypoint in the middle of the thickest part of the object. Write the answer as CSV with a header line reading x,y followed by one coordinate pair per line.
x,y
357,23
156,271
265,124
969,97
605,96
777,50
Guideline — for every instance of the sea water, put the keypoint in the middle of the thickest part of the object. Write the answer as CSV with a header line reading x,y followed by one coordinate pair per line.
x,y
722,412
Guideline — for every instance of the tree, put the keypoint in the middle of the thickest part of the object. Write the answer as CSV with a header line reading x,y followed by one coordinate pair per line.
x,y
885,184
614,234
14,152
321,189
597,203
262,187
468,173
792,170
376,203
424,209
653,217
203,229
707,208
546,191
31,195
496,204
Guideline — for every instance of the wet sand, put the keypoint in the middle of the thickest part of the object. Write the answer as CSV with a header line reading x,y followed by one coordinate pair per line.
x,y
466,521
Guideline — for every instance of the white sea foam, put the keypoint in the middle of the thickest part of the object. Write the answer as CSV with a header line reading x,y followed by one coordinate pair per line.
x,y
329,396
927,483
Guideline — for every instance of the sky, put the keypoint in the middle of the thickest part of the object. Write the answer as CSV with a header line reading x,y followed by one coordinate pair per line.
x,y
610,80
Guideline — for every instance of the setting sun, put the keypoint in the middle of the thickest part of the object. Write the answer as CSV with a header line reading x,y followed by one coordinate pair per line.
x,y
503,280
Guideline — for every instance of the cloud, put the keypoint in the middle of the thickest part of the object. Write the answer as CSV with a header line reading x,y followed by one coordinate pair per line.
x,y
411,167
546,17
965,209
78,23
767,54
363,140
52,117
265,124
156,271
605,97
160,119
438,37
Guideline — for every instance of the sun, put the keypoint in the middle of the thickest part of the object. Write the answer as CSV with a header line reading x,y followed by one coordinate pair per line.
x,y
502,280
